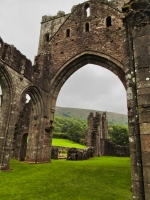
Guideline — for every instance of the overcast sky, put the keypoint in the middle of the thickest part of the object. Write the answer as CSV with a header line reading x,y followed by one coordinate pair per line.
x,y
91,87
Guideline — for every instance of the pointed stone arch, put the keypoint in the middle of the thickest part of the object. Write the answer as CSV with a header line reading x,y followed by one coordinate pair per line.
x,y
86,57
31,122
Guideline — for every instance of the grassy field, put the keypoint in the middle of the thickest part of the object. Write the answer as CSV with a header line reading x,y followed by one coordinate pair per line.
x,y
66,143
104,178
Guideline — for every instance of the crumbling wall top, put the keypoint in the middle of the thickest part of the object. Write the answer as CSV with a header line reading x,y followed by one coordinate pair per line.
x,y
46,18
17,61
117,4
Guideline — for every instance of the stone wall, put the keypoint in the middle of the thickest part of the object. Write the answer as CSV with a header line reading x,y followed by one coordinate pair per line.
x,y
72,153
17,61
80,154
110,149
17,79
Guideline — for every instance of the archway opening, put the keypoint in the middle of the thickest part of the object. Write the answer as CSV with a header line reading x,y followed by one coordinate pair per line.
x,y
90,89
27,127
93,87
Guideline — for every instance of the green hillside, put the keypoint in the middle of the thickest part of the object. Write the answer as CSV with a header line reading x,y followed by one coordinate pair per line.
x,y
113,118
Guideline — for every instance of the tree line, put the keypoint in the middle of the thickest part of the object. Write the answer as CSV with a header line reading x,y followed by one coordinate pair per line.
x,y
75,129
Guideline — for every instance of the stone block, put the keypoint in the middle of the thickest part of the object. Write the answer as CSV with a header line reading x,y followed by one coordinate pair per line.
x,y
136,173
138,190
146,173
145,128
145,142
146,159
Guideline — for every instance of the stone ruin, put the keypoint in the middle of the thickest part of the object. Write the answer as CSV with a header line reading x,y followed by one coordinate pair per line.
x,y
97,137
72,153
116,35
96,140
79,154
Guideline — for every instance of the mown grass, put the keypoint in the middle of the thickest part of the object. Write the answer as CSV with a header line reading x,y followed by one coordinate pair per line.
x,y
66,143
104,178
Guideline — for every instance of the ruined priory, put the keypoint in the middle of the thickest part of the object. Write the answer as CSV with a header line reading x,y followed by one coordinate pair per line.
x,y
115,35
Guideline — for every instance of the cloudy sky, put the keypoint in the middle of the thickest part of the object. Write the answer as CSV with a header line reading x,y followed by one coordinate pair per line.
x,y
20,26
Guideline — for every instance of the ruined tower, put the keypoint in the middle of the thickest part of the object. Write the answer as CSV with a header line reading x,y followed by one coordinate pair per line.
x,y
96,131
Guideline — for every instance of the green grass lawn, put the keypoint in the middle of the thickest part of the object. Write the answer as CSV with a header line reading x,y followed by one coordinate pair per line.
x,y
66,143
104,178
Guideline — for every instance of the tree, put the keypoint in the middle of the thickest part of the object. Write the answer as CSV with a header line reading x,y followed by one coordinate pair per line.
x,y
75,133
119,135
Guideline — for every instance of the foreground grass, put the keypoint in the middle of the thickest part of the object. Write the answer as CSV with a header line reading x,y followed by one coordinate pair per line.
x,y
66,143
104,178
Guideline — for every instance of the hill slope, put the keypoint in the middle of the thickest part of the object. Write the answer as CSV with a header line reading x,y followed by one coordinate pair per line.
x,y
113,118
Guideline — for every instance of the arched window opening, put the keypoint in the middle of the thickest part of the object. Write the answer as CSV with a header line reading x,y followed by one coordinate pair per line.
x,y
87,10
0,96
108,21
47,37
28,98
87,27
68,33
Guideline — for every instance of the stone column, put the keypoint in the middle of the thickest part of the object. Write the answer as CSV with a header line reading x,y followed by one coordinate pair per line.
x,y
5,112
141,44
89,131
39,141
104,126
136,22
98,127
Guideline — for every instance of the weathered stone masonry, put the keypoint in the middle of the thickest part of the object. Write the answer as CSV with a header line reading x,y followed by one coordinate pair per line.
x,y
97,137
97,131
115,38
